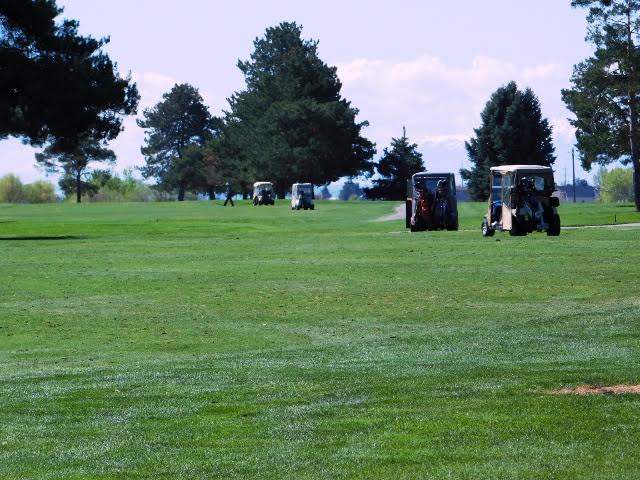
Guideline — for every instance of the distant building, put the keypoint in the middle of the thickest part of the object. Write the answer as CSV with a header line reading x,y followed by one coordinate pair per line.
x,y
462,193
585,193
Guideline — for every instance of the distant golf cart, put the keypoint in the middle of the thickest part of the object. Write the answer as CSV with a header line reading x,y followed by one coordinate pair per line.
x,y
302,196
263,193
520,201
431,202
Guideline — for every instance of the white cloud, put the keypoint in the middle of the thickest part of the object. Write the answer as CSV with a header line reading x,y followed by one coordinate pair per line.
x,y
483,70
454,141
440,103
550,71
563,130
151,86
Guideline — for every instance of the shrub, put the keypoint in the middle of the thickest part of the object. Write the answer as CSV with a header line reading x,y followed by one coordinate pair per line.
x,y
11,189
39,192
616,185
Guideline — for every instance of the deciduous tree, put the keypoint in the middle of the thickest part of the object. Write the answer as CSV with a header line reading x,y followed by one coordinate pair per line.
x,y
616,185
11,189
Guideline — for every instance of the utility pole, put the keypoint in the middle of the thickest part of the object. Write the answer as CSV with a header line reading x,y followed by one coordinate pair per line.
x,y
573,160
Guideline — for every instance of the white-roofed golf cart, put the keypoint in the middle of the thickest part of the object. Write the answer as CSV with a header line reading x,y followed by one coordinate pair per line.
x,y
302,196
263,193
521,201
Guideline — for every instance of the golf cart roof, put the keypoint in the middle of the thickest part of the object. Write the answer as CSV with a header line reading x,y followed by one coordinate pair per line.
x,y
526,168
432,175
262,184
302,185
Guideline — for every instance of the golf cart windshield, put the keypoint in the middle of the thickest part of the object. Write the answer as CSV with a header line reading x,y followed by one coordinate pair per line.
x,y
537,182
262,189
304,190
431,183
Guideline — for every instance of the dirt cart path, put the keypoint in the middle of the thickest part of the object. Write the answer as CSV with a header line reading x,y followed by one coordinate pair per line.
x,y
617,225
398,214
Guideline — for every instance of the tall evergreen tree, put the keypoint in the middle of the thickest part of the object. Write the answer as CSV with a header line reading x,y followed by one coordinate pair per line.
x,y
56,86
291,123
75,165
325,194
606,87
513,131
178,122
350,190
396,166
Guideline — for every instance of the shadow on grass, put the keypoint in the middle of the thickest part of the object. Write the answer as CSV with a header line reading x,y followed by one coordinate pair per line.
x,y
41,237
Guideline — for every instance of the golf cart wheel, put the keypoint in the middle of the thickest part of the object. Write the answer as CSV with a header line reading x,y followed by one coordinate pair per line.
x,y
487,231
312,207
516,229
554,228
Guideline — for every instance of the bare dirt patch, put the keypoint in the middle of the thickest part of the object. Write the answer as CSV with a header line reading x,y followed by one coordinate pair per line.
x,y
598,390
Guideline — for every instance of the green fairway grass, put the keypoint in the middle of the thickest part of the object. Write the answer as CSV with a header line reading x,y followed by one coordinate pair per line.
x,y
188,340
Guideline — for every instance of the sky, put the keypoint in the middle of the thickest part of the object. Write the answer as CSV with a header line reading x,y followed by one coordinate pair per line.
x,y
427,65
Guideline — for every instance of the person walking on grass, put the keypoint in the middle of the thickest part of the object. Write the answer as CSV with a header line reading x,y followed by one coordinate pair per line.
x,y
229,192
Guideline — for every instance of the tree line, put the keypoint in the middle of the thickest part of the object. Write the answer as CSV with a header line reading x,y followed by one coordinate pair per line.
x,y
290,123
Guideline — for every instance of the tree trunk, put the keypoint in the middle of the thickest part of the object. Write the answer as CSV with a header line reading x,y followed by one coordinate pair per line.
x,y
281,190
636,183
78,188
634,141
634,146
212,194
180,194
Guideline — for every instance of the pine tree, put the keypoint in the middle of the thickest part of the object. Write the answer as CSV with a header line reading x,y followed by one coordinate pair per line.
x,y
291,123
606,87
513,131
57,87
175,125
396,166
75,165
350,191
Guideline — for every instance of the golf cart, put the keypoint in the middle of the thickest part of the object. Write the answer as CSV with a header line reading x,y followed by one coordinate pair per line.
x,y
263,193
302,196
520,201
431,202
